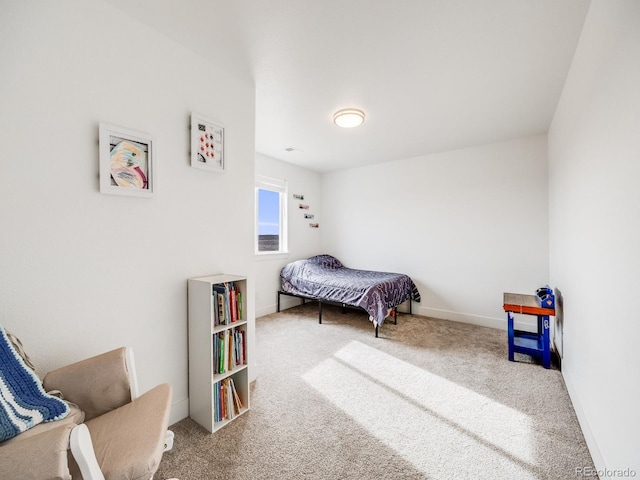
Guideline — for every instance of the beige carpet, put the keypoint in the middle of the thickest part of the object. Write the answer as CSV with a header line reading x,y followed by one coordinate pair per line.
x,y
429,399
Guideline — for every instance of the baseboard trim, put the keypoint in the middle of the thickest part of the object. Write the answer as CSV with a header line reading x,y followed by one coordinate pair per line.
x,y
262,311
589,437
285,302
480,320
499,323
179,411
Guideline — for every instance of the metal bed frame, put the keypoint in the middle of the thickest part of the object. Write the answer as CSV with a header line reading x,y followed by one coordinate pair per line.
x,y
343,305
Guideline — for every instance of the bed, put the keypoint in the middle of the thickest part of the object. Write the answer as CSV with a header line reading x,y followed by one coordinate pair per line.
x,y
325,279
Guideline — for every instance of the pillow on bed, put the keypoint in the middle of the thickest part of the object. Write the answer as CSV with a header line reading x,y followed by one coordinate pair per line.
x,y
326,261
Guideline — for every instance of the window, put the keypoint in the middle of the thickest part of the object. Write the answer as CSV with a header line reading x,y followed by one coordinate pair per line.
x,y
271,215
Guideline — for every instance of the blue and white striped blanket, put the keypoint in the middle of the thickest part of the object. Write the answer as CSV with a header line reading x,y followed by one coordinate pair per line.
x,y
23,401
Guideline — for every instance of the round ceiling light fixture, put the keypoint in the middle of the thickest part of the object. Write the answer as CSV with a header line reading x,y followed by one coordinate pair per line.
x,y
348,118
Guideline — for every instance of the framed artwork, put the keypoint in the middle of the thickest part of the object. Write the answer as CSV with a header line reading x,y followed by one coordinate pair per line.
x,y
126,162
207,144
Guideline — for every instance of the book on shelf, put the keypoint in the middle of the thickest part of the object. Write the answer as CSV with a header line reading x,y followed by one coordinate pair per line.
x,y
236,357
239,348
215,320
216,403
242,346
226,365
236,398
233,307
216,353
229,349
226,400
222,368
226,303
216,398
221,294
229,400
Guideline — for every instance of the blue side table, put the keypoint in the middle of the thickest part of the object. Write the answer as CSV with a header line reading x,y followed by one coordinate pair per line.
x,y
535,344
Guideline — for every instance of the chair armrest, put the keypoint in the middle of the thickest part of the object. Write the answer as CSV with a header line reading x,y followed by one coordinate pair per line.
x,y
37,457
83,453
132,438
97,385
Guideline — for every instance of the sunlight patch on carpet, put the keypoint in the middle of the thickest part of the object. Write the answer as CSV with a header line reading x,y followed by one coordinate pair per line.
x,y
440,427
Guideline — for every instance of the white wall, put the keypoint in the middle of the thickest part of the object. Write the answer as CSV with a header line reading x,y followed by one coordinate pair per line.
x,y
594,172
466,225
83,272
303,240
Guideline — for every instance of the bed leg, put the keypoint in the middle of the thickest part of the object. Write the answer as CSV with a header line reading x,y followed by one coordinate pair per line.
x,y
395,315
344,309
319,311
278,300
376,331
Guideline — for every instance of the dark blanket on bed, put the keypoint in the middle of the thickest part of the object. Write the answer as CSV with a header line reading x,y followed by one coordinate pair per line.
x,y
323,277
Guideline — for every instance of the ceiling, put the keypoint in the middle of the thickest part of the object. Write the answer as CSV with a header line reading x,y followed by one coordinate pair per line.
x,y
431,75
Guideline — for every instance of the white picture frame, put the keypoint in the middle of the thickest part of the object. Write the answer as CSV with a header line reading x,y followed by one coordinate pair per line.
x,y
127,162
207,144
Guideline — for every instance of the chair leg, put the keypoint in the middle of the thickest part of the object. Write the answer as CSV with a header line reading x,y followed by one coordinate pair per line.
x,y
168,440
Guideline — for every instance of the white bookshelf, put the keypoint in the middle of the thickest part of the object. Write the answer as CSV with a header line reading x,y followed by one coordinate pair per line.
x,y
204,378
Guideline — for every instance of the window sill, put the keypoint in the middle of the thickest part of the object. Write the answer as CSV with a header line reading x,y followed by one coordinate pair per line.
x,y
271,255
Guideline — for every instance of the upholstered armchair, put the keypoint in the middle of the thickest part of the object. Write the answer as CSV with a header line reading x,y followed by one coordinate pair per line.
x,y
111,432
